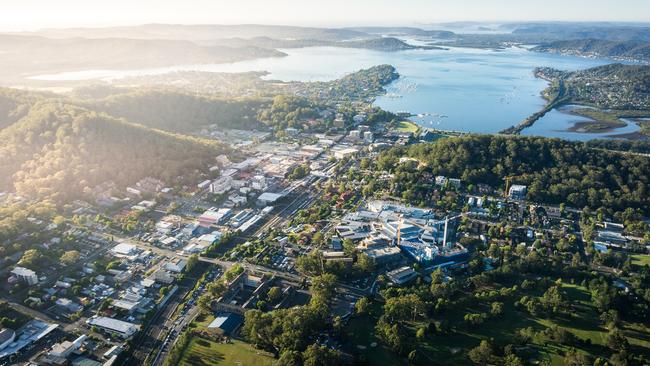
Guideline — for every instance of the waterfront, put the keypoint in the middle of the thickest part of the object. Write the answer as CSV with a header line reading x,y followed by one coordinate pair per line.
x,y
462,89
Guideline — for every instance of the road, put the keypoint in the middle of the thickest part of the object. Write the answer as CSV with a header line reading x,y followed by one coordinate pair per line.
x,y
190,310
147,340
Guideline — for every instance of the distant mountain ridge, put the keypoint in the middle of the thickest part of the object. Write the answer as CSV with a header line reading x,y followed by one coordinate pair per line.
x,y
32,54
629,50
206,32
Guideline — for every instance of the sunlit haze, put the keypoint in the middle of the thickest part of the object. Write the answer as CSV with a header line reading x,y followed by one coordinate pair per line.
x,y
34,14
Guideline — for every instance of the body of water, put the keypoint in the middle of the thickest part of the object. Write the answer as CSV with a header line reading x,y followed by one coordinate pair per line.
x,y
557,123
463,89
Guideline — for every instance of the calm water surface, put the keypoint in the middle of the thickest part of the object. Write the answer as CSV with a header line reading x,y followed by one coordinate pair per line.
x,y
462,89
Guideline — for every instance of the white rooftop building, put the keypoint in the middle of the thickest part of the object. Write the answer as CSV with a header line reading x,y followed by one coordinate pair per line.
x,y
26,275
122,328
124,250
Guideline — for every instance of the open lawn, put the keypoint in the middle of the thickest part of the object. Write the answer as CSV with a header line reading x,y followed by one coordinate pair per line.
x,y
202,320
641,259
406,127
202,352
360,334
451,348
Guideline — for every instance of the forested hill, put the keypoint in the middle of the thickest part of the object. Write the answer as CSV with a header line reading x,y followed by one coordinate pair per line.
x,y
555,171
613,86
58,150
15,104
178,111
629,50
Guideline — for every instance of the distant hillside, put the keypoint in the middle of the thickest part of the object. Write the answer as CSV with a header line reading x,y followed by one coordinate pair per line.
x,y
388,44
614,86
29,55
404,31
382,44
178,111
364,84
57,150
206,32
15,104
630,50
568,31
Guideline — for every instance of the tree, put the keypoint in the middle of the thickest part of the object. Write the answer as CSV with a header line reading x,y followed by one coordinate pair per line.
x,y
553,299
420,333
70,257
362,305
413,356
30,258
274,294
192,261
323,287
205,302
512,360
290,358
349,248
573,357
258,330
316,355
403,308
390,335
365,263
481,354
617,341
496,309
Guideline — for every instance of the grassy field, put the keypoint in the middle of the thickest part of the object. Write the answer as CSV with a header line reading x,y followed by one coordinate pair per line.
x,y
451,349
407,127
641,259
360,334
202,352
609,119
604,120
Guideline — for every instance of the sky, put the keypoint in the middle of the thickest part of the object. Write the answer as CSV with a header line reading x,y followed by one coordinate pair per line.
x,y
36,14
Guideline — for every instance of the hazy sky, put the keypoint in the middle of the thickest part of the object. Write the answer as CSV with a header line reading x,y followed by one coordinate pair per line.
x,y
33,14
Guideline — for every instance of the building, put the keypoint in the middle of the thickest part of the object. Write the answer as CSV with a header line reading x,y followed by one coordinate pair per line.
x,y
7,336
405,231
226,323
258,182
517,192
441,180
344,153
214,217
454,182
221,185
26,275
203,185
63,350
336,256
124,250
402,275
176,265
119,327
162,276
383,255
28,334
85,361
355,134
113,351
368,137
268,198
200,244
190,229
